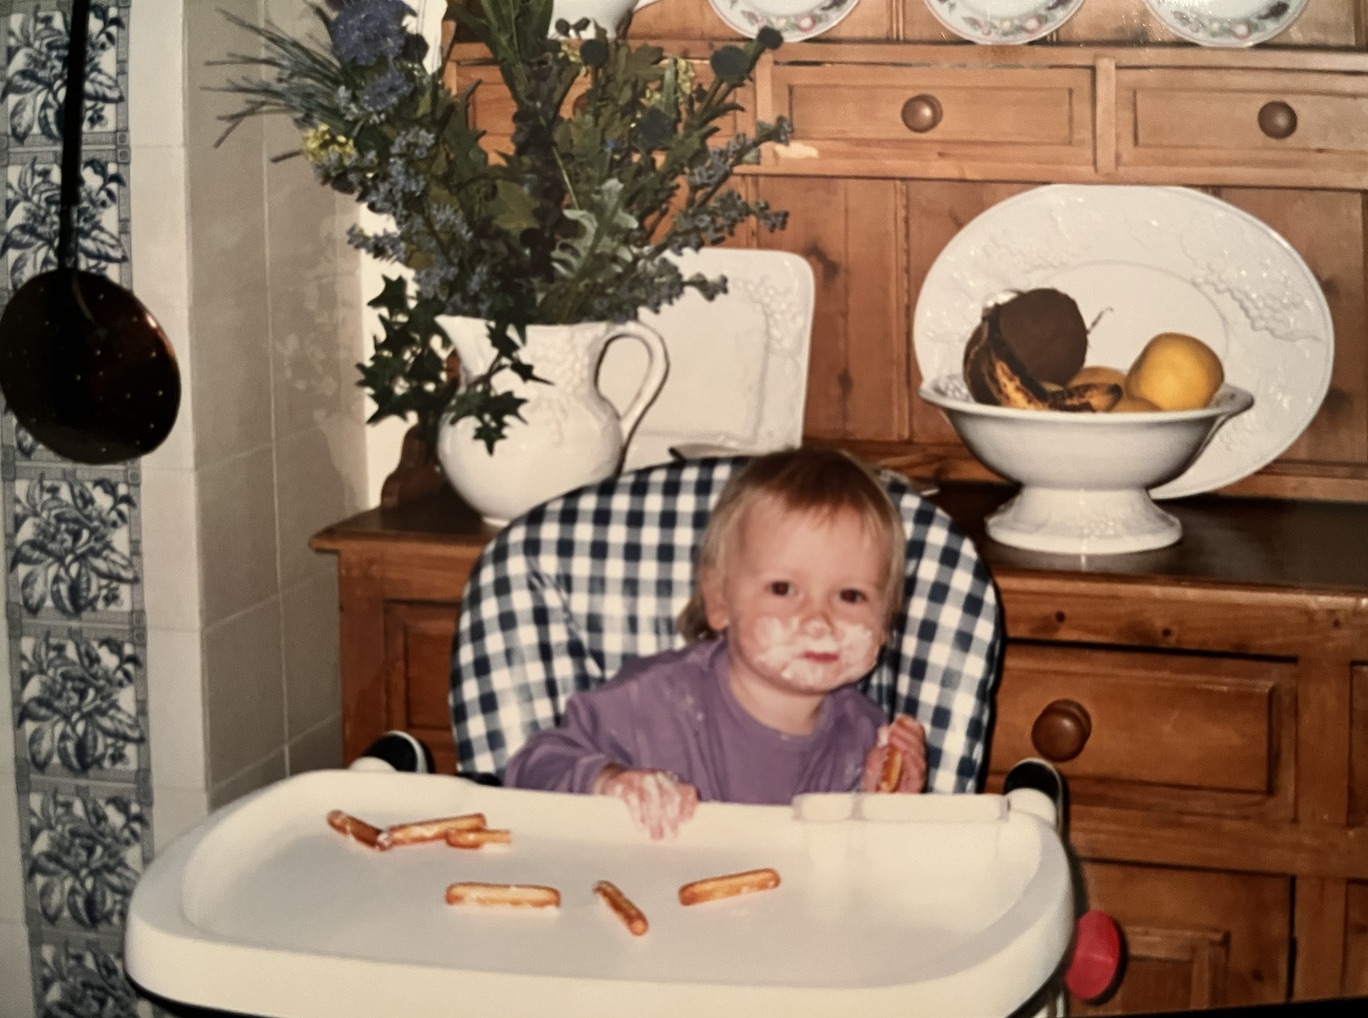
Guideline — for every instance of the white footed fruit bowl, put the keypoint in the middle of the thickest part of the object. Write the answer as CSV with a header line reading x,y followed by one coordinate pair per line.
x,y
1085,477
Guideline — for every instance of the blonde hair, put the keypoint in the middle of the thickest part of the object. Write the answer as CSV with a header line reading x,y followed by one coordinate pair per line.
x,y
823,482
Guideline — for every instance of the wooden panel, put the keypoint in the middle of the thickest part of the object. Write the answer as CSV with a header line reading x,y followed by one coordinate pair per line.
x,y
418,665
1180,733
850,232
847,115
1356,941
1194,939
1358,745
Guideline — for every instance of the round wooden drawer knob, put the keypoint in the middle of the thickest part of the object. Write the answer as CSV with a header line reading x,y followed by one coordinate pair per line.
x,y
1277,119
1061,731
921,113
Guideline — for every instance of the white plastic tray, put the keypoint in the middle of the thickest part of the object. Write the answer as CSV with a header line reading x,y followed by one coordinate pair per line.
x,y
922,905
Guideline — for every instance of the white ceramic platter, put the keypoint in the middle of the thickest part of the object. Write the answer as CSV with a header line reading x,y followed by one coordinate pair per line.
x,y
995,22
795,20
738,364
1150,260
1227,22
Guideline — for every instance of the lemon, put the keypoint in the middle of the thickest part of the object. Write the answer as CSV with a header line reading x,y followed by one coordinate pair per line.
x,y
1099,373
1175,372
1133,405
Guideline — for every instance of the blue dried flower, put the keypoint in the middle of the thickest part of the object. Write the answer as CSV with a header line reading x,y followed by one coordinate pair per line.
x,y
386,91
369,30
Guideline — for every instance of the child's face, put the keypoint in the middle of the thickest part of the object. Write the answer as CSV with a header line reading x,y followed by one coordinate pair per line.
x,y
801,598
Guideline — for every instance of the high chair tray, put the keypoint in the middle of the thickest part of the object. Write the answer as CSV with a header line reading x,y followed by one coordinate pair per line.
x,y
918,905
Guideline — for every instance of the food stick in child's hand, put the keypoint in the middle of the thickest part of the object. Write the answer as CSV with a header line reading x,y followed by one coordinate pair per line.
x,y
891,773
358,830
472,892
713,888
478,838
432,830
622,907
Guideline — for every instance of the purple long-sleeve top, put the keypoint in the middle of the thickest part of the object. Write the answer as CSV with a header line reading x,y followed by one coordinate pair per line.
x,y
676,712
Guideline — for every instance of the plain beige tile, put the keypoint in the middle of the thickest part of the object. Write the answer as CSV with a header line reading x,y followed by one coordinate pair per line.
x,y
175,811
16,981
312,376
319,749
11,861
319,478
230,347
160,237
310,622
237,515
177,451
156,72
226,212
244,690
209,37
258,775
171,549
175,709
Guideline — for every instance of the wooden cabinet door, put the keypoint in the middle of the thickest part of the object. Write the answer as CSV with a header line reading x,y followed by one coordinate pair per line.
x,y
1194,939
417,669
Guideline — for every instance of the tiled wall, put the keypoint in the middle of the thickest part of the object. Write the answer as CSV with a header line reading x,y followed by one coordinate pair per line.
x,y
206,646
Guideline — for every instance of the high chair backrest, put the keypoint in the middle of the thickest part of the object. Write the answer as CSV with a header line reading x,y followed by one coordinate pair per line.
x,y
564,595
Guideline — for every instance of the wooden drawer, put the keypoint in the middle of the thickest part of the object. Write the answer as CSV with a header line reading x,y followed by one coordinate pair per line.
x,y
1194,939
1316,123
934,120
1179,733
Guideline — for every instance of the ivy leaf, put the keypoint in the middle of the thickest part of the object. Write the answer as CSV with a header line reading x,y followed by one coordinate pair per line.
x,y
518,208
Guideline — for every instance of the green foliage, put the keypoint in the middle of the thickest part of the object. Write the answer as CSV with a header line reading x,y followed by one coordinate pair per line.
x,y
575,224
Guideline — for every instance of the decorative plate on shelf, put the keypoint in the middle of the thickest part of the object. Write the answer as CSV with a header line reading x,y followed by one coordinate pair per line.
x,y
738,364
795,20
1227,22
995,22
1140,261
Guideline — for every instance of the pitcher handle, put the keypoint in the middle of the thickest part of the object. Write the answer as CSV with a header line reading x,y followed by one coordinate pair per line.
x,y
657,367
643,3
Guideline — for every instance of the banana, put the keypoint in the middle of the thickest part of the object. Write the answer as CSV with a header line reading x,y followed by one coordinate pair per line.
x,y
1088,397
978,366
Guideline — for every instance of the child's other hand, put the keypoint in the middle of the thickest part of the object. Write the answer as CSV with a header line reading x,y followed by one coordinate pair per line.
x,y
658,801
908,737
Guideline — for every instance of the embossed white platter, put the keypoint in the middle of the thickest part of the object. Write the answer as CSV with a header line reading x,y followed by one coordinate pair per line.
x,y
995,22
795,20
738,364
1154,259
1228,23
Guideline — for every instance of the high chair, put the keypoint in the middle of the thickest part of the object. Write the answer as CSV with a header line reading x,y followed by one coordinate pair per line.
x,y
564,595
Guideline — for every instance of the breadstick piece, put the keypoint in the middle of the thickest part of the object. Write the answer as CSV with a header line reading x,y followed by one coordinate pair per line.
x,y
473,892
432,830
478,838
622,907
892,771
713,888
357,830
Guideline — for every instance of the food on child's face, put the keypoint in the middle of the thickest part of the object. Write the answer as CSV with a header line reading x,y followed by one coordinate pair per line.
x,y
1175,372
814,654
478,838
1045,330
728,886
474,892
622,907
357,830
431,830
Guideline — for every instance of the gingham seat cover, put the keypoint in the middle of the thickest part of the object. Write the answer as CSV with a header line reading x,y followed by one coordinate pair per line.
x,y
561,597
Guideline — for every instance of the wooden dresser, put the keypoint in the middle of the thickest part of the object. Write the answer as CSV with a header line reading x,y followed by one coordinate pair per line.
x,y
1211,700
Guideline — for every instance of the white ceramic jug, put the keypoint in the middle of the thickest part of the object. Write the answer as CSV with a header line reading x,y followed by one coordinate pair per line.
x,y
569,435
608,13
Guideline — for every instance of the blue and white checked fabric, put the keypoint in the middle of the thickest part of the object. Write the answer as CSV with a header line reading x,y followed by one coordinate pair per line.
x,y
564,595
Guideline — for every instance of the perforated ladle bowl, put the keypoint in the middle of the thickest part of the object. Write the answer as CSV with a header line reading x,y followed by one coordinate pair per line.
x,y
84,366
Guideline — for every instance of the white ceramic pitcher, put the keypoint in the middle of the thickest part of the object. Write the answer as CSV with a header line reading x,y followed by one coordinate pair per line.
x,y
569,435
608,13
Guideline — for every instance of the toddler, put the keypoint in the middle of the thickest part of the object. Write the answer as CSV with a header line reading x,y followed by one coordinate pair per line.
x,y
800,571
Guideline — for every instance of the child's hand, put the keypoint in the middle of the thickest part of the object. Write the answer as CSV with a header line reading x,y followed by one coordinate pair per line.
x,y
908,737
658,801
